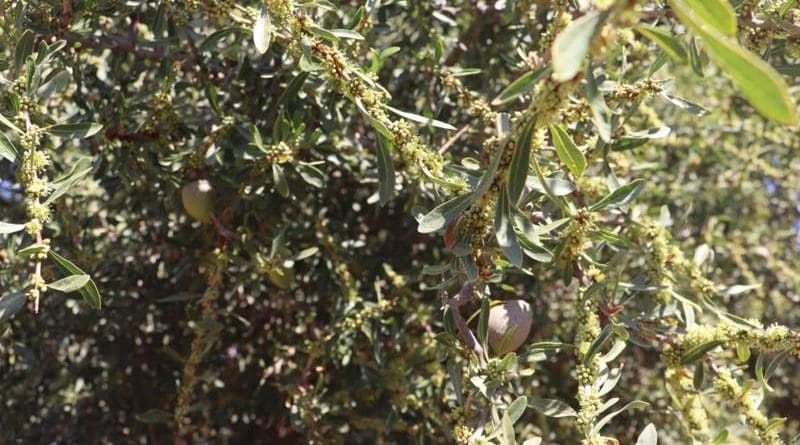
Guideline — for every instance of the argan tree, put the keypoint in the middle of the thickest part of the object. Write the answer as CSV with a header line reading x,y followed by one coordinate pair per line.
x,y
394,221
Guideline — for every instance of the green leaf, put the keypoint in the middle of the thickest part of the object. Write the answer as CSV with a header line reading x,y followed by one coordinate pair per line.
x,y
444,213
488,176
216,37
599,341
601,115
720,438
421,119
569,154
699,375
63,183
7,228
483,323
89,290
5,121
760,373
698,351
504,229
685,105
385,172
559,187
636,404
522,85
621,196
517,408
550,346
379,126
552,407
311,174
696,61
508,431
763,87
346,34
11,304
293,87
715,14
649,436
666,41
262,31
76,130
520,163
30,250
572,45
323,33
70,283
7,149
279,180
153,416
24,48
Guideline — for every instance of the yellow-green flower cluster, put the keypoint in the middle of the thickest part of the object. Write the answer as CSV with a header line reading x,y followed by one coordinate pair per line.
x,y
347,79
215,267
666,259
575,236
633,93
587,324
730,390
773,338
477,106
689,401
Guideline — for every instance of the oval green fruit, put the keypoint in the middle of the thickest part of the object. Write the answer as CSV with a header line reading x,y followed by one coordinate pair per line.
x,y
509,325
198,199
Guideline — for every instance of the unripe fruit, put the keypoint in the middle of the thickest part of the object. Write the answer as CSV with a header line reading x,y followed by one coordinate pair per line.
x,y
509,325
197,197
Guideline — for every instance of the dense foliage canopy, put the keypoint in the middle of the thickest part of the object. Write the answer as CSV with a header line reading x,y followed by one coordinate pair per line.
x,y
389,221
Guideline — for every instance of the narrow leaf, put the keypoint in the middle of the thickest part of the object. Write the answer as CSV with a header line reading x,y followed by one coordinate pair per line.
x,y
569,154
520,163
385,172
11,304
572,45
685,105
421,119
666,41
89,290
698,351
70,283
716,14
552,407
6,228
763,87
63,183
504,229
522,85
443,213
76,130
7,149
262,31
649,436
621,196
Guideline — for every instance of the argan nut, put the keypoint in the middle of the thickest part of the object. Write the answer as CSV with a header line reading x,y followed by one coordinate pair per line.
x,y
509,325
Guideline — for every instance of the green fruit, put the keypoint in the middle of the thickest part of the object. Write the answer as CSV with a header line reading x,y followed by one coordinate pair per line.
x,y
282,277
198,200
509,325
